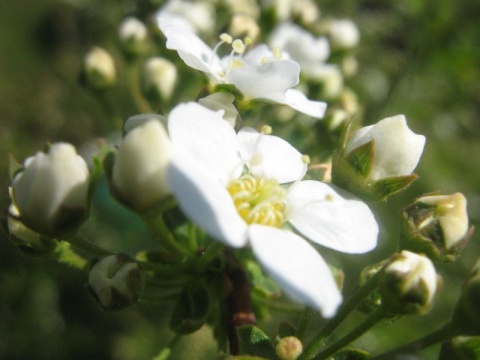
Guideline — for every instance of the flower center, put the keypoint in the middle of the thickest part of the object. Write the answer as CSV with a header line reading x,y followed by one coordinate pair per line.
x,y
259,201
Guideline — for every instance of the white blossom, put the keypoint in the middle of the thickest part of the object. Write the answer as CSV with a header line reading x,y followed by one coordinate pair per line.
x,y
261,73
234,187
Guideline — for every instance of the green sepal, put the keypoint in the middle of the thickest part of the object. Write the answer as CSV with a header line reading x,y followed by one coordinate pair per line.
x,y
108,161
348,177
352,354
95,176
254,341
228,88
285,329
361,158
461,348
191,309
14,167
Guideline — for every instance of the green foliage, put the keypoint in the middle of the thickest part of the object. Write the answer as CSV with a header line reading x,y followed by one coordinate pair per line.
x,y
254,341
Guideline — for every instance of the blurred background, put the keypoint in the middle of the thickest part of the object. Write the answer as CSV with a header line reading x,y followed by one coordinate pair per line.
x,y
418,58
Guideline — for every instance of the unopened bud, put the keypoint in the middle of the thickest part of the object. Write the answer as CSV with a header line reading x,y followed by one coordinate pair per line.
x,y
51,193
138,177
344,34
99,69
436,225
244,25
409,284
159,76
133,35
289,348
115,282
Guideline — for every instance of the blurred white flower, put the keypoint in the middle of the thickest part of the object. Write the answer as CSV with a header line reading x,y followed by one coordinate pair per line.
x,y
231,185
99,69
261,74
344,34
308,51
221,101
397,149
51,193
197,16
159,76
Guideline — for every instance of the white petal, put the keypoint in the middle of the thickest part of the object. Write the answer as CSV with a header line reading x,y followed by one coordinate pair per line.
x,y
331,217
298,101
269,156
206,202
268,81
297,267
192,50
203,136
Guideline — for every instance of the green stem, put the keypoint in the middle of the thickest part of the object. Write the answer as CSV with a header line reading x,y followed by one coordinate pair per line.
x,y
347,307
213,250
166,352
161,232
304,321
277,305
83,244
192,238
162,269
133,74
446,332
374,318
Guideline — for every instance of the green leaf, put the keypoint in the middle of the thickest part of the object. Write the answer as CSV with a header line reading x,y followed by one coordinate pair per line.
x,y
361,158
253,341
191,309
352,354
461,348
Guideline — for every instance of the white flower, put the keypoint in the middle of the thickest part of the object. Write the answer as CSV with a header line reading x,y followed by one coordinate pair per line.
x,y
397,149
308,51
132,34
231,185
139,170
193,15
260,74
51,193
451,213
221,101
344,34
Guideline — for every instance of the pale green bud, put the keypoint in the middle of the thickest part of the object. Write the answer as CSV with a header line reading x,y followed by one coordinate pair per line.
x,y
159,76
51,193
115,282
289,348
133,35
99,69
138,178
344,34
436,225
409,284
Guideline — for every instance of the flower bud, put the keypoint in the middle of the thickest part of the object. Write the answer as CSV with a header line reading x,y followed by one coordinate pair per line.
x,y
466,315
344,34
221,101
158,78
51,193
436,225
243,26
138,178
409,284
379,159
133,35
289,348
99,69
115,282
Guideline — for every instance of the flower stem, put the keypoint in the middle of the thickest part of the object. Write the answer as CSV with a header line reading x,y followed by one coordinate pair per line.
x,y
167,351
446,332
347,307
374,318
161,232
304,321
213,250
64,254
83,244
142,104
